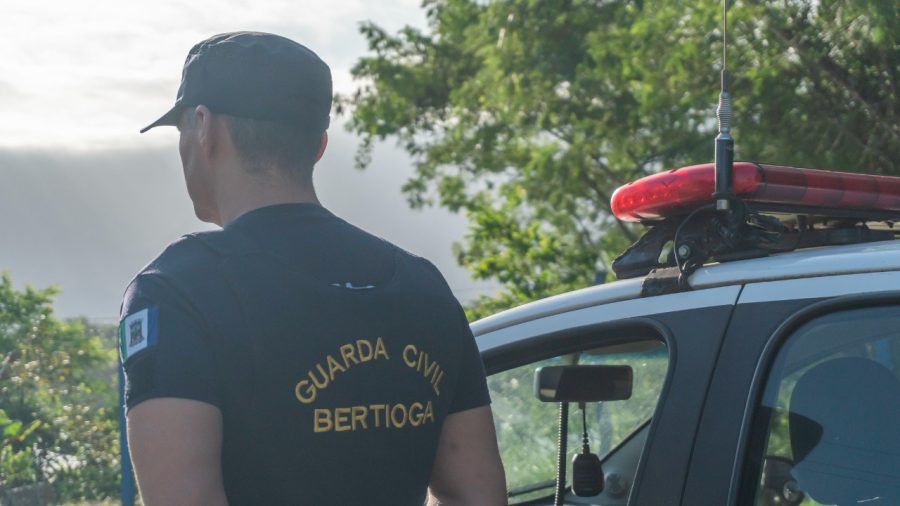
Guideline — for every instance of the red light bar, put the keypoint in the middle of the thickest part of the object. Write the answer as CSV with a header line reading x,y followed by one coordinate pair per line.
x,y
681,190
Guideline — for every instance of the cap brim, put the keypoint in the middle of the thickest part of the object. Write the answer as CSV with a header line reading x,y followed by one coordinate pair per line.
x,y
170,118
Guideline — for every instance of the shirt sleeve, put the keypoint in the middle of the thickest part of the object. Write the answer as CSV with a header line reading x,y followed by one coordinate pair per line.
x,y
471,387
164,346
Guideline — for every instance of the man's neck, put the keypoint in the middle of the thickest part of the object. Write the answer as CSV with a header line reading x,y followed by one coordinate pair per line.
x,y
256,192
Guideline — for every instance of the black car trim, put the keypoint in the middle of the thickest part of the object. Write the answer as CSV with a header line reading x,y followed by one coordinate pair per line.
x,y
710,383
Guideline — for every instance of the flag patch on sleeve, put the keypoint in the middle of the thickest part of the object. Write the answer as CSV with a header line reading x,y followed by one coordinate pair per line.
x,y
137,332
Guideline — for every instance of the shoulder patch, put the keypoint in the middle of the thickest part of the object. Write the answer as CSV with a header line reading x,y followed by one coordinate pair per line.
x,y
137,332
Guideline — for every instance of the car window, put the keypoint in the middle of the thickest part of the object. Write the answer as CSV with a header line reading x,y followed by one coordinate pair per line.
x,y
827,430
527,429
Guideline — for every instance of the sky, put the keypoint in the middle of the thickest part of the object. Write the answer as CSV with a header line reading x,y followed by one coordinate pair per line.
x,y
86,201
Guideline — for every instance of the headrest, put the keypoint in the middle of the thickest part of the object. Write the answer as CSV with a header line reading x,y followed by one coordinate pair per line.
x,y
845,432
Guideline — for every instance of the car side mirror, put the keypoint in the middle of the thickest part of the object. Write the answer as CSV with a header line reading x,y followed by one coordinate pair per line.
x,y
583,383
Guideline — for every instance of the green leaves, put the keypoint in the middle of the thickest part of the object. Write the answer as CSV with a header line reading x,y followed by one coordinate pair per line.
x,y
57,398
11,430
526,115
14,431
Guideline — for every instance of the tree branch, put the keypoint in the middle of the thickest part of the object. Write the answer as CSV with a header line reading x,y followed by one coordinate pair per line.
x,y
834,72
604,198
10,357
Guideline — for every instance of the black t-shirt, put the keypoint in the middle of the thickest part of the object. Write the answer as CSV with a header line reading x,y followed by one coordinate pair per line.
x,y
333,355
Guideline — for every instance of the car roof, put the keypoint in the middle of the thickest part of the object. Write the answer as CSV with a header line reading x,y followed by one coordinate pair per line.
x,y
814,262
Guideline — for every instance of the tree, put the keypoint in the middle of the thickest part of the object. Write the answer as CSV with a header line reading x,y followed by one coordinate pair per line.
x,y
527,114
58,417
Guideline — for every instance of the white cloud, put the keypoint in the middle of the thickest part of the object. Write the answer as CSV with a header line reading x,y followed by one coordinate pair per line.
x,y
81,76
88,75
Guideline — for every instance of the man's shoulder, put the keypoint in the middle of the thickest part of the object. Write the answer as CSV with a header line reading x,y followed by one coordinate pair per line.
x,y
188,269
424,269
187,256
407,257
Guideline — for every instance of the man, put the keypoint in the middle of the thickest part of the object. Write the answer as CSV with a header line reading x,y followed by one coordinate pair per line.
x,y
291,358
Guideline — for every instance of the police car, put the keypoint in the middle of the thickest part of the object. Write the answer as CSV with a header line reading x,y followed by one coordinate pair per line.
x,y
762,345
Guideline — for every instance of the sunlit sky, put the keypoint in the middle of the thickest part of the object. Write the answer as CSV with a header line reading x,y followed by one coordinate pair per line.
x,y
88,74
86,200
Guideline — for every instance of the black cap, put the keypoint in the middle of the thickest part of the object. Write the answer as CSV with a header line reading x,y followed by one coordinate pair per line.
x,y
254,75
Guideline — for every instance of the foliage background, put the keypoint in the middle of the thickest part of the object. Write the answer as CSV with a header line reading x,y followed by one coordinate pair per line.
x,y
526,114
58,418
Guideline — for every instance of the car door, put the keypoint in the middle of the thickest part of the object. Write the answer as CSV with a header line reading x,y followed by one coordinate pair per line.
x,y
670,342
780,330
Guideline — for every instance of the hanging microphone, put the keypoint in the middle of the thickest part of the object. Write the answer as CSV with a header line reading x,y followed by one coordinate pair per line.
x,y
587,472
587,475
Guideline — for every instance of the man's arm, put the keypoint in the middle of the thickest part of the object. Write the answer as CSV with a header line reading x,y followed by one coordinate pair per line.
x,y
176,448
467,469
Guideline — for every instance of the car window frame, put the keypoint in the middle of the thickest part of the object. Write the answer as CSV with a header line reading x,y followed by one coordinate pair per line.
x,y
584,337
698,321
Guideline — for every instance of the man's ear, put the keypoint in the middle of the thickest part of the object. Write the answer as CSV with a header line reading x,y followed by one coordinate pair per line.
x,y
205,128
322,146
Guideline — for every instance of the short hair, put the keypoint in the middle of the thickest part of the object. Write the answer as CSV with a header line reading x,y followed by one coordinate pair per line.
x,y
266,145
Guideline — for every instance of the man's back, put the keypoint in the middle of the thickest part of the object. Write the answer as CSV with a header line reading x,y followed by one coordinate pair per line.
x,y
333,356
291,358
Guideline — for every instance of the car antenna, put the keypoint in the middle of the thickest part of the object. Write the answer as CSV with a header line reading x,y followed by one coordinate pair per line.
x,y
724,142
